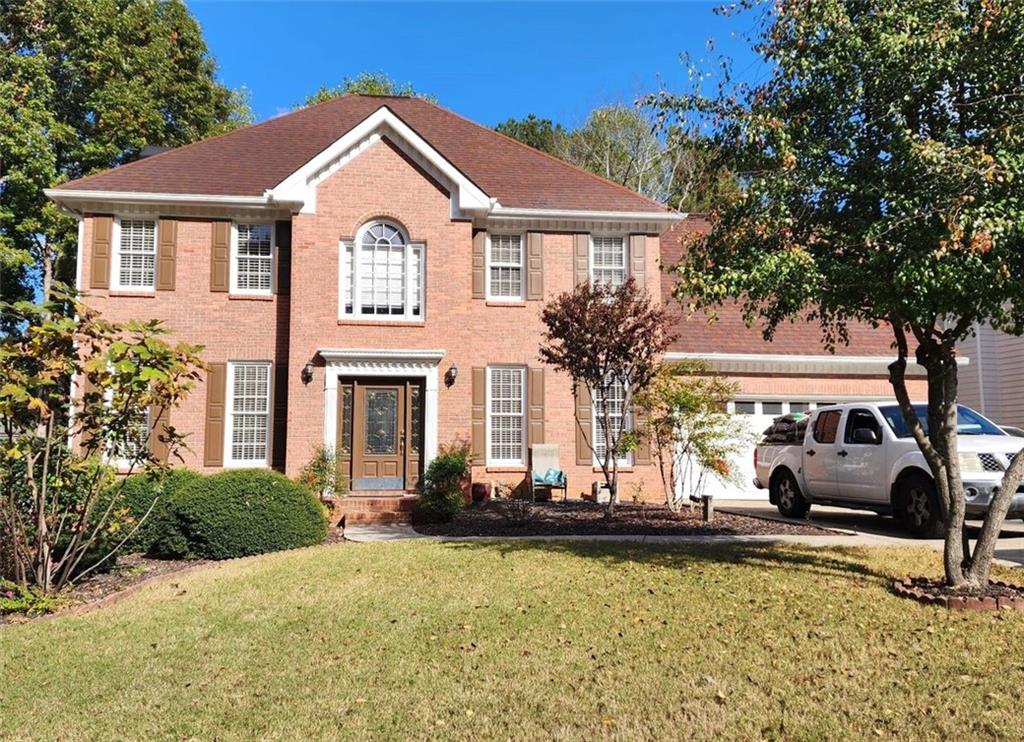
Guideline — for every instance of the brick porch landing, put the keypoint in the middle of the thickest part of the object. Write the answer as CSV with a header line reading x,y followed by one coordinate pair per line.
x,y
373,508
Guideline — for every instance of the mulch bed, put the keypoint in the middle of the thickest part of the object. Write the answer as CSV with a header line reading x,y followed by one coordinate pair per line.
x,y
936,592
131,570
587,518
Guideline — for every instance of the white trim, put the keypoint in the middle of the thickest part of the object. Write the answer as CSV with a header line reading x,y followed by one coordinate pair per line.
x,y
115,257
798,364
229,417
300,186
392,362
521,461
513,212
490,296
233,259
67,195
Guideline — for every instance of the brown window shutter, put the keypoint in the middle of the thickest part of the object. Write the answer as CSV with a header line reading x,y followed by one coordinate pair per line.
x,y
220,257
216,409
584,407
479,264
166,254
159,421
638,259
535,266
478,439
101,252
581,257
279,407
283,241
535,398
642,454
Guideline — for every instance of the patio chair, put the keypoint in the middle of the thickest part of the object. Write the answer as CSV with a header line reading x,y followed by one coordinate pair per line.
x,y
546,474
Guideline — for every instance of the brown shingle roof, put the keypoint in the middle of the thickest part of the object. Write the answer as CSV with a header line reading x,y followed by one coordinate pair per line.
x,y
248,161
729,334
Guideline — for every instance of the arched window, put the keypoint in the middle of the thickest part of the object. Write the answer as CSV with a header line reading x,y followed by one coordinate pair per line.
x,y
381,275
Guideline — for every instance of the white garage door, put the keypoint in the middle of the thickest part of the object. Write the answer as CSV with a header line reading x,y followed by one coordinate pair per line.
x,y
756,415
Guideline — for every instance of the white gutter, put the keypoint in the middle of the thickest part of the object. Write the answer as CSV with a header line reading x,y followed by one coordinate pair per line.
x,y
62,195
334,355
778,363
502,212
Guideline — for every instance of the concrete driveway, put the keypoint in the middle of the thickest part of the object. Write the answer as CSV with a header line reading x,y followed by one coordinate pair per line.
x,y
881,530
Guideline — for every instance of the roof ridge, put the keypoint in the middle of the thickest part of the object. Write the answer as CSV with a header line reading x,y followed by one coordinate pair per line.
x,y
551,157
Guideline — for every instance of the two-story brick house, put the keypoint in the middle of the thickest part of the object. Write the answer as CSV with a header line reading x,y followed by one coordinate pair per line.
x,y
368,274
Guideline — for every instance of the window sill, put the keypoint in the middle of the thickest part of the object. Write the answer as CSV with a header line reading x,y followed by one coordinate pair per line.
x,y
383,322
506,469
250,297
499,303
122,293
622,469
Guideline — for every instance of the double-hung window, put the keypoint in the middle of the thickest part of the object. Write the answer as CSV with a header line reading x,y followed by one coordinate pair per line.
x,y
247,432
608,264
505,267
131,448
252,262
135,255
506,418
382,275
613,400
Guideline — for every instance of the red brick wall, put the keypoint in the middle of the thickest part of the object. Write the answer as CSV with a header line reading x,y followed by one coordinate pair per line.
x,y
381,182
229,327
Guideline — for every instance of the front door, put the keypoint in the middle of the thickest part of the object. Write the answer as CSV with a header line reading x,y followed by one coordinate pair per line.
x,y
380,433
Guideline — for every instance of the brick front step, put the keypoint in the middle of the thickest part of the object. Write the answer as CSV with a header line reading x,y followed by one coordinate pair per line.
x,y
378,508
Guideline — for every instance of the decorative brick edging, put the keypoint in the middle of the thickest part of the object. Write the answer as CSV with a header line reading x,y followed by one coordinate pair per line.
x,y
912,588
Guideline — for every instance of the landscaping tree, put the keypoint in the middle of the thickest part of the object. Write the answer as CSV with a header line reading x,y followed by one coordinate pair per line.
x,y
58,512
691,434
881,161
84,86
366,83
535,132
609,341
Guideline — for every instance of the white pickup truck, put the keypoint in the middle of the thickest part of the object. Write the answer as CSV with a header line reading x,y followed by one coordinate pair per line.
x,y
863,456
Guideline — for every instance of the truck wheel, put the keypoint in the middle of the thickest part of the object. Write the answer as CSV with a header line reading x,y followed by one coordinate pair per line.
x,y
786,493
919,507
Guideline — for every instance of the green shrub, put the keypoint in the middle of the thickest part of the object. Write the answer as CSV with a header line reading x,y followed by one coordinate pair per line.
x,y
320,475
16,598
442,491
240,513
143,494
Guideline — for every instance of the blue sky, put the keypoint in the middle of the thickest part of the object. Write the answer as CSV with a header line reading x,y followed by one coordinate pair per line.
x,y
487,61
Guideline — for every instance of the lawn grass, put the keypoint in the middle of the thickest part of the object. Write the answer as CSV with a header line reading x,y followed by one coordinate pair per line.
x,y
522,640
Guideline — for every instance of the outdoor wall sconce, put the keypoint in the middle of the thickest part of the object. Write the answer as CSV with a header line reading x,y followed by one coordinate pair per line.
x,y
307,373
451,375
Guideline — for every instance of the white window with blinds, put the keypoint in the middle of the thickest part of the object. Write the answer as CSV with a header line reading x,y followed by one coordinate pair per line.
x,y
247,427
506,416
134,265
613,399
505,267
132,448
608,256
252,259
381,276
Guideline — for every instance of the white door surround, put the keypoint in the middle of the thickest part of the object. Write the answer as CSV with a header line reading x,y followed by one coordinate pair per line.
x,y
422,364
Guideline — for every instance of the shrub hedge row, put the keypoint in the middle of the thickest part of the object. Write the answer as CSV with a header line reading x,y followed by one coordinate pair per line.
x,y
222,516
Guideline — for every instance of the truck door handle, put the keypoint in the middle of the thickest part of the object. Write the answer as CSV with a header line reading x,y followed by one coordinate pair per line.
x,y
810,452
844,454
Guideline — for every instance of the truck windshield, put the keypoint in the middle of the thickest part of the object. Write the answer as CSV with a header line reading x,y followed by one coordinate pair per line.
x,y
968,422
